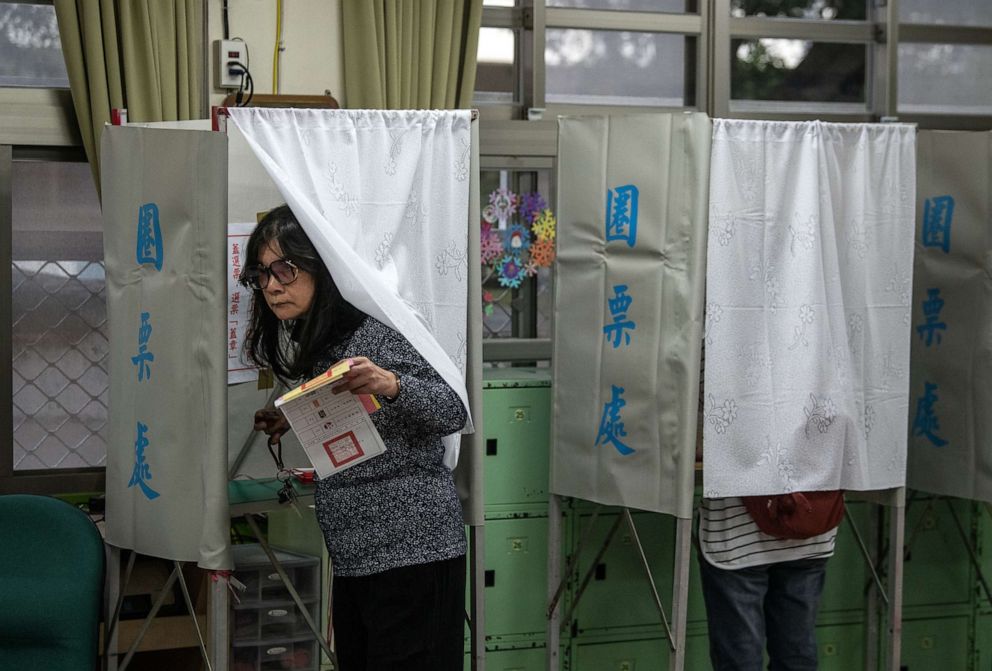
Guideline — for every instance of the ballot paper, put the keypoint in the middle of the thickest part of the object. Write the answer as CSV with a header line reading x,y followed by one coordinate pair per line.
x,y
335,430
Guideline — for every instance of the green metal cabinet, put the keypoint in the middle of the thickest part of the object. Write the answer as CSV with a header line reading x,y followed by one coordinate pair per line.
x,y
516,569
618,597
937,570
517,411
841,647
847,571
515,659
637,655
936,644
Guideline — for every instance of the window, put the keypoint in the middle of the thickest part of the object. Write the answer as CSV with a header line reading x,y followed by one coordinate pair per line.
x,y
617,67
59,380
30,50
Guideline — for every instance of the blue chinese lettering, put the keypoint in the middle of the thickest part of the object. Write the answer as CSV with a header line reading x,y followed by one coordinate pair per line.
x,y
926,422
149,248
621,214
144,358
931,310
142,473
619,305
937,215
611,424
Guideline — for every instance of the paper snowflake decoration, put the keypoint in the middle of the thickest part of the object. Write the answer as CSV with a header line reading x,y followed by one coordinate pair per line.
x,y
532,204
511,272
491,246
516,239
504,203
544,225
542,253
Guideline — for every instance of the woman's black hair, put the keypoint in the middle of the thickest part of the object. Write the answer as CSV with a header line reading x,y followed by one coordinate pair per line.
x,y
292,353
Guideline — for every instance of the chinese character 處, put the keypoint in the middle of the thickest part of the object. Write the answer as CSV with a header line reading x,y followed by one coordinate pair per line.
x,y
611,428
931,310
621,214
149,247
938,213
144,358
141,473
618,306
926,422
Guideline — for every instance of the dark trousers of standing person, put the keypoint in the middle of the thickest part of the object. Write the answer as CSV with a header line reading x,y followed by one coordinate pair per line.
x,y
410,618
775,601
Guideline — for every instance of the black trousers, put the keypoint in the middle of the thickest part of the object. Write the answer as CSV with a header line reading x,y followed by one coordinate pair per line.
x,y
410,618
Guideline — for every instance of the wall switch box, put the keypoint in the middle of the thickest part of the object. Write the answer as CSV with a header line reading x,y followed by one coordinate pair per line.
x,y
229,58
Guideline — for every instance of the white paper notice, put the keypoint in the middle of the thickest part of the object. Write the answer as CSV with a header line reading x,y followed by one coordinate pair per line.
x,y
335,430
238,305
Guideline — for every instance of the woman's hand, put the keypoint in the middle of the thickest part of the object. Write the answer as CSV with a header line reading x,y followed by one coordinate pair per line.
x,y
367,378
272,422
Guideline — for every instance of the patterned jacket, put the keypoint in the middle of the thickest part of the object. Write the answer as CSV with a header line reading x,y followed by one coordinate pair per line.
x,y
399,508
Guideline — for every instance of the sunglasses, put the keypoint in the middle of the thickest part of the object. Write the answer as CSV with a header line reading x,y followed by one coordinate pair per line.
x,y
257,276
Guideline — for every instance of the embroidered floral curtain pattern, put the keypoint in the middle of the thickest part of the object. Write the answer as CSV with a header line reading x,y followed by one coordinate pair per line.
x,y
809,280
383,195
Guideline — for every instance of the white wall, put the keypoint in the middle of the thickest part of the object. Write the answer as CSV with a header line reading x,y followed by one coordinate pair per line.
x,y
312,60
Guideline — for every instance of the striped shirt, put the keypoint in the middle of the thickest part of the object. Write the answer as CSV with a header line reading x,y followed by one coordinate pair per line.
x,y
729,538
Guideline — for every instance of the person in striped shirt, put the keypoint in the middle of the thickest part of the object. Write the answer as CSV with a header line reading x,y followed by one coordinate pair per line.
x,y
759,590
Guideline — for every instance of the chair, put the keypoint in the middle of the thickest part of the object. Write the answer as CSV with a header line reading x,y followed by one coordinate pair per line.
x,y
51,585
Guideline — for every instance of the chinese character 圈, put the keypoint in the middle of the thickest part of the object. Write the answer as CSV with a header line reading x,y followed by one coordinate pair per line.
x,y
144,358
931,310
938,213
621,214
149,247
142,473
926,422
611,423
619,330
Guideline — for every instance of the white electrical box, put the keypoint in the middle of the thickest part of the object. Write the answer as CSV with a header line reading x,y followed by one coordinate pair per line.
x,y
230,60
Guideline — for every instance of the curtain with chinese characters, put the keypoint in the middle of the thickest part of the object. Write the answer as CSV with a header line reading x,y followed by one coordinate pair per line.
x,y
632,196
809,267
384,197
410,55
164,204
950,392
143,56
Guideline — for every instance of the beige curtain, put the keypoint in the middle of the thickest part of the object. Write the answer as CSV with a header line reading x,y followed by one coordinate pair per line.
x,y
400,54
143,55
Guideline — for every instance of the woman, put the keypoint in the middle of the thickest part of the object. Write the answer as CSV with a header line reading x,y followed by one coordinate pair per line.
x,y
392,524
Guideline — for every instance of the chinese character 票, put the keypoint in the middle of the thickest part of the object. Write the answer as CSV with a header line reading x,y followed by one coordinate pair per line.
x,y
149,248
619,305
611,424
142,473
931,309
937,215
926,422
621,214
144,358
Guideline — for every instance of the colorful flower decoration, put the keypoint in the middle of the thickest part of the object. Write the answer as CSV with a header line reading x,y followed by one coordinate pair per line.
x,y
517,239
491,246
519,246
504,203
544,225
511,271
532,204
542,253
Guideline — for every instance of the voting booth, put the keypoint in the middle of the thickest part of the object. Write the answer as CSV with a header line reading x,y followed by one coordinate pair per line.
x,y
386,199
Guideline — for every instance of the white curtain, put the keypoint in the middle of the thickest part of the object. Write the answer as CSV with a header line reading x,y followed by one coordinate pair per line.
x,y
383,195
810,260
